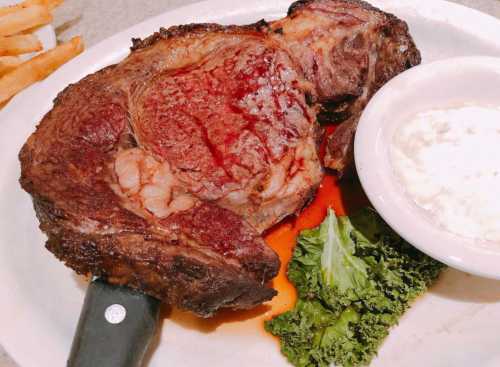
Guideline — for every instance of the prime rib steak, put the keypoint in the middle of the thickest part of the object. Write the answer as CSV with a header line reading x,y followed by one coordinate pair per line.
x,y
161,172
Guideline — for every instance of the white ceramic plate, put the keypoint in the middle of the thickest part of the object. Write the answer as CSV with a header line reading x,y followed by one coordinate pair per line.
x,y
45,34
437,85
456,324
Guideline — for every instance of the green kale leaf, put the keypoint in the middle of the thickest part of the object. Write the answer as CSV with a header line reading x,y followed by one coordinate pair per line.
x,y
355,277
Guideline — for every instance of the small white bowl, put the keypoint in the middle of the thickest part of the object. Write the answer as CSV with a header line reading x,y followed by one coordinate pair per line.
x,y
431,86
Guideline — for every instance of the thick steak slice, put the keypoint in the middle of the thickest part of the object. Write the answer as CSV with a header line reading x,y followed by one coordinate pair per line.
x,y
201,259
161,172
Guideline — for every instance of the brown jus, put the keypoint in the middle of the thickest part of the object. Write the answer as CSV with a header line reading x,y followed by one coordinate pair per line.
x,y
161,172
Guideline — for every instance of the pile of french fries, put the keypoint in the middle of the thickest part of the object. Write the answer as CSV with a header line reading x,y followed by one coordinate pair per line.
x,y
17,24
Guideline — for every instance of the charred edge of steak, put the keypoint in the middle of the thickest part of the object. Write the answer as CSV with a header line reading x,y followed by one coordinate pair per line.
x,y
92,77
308,198
396,28
336,110
215,287
166,270
189,30
340,148
300,4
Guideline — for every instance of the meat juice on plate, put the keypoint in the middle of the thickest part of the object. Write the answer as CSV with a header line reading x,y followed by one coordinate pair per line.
x,y
447,160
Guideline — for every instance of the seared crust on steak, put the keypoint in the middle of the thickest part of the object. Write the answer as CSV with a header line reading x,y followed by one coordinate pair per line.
x,y
161,172
193,29
174,267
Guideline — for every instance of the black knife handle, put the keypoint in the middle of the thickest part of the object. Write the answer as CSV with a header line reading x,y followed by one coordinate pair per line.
x,y
115,327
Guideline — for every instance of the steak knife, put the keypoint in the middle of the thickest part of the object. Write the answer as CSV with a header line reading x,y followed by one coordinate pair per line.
x,y
115,328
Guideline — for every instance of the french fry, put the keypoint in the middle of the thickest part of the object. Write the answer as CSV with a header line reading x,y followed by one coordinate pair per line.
x,y
19,44
25,18
38,68
11,9
50,4
9,63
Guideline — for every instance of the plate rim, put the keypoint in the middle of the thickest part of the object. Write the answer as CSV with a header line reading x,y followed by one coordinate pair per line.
x,y
115,47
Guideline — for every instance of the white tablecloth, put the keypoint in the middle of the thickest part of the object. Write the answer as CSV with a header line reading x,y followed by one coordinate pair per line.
x,y
91,19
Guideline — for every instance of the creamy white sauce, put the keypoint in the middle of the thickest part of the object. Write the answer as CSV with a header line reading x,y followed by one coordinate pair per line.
x,y
449,164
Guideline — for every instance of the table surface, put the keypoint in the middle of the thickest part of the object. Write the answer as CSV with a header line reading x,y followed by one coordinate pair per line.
x,y
90,18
